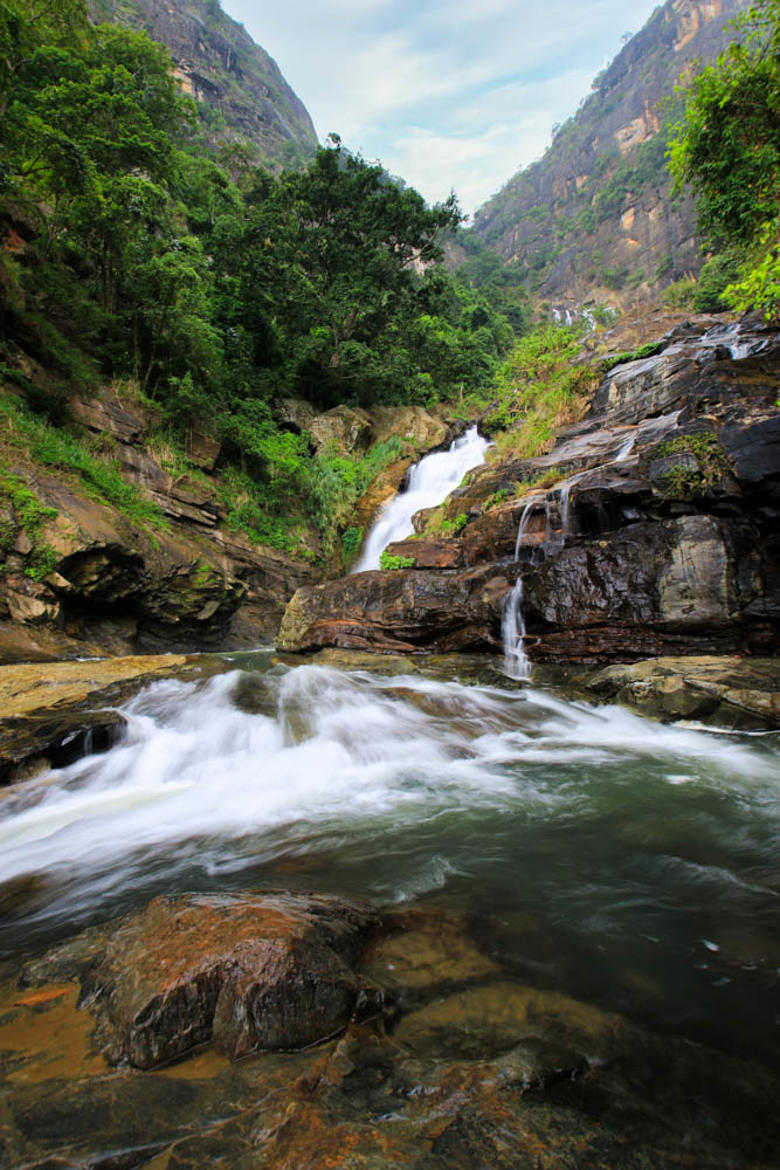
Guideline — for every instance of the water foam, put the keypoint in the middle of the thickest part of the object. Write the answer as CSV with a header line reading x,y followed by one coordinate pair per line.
x,y
429,483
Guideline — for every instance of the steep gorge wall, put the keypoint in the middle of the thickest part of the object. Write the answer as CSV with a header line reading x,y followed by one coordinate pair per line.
x,y
239,88
594,218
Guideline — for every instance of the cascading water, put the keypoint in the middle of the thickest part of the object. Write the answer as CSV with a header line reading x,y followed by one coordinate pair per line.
x,y
589,850
429,483
516,664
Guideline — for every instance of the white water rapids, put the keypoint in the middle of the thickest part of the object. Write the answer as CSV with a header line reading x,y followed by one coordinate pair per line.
x,y
429,483
247,767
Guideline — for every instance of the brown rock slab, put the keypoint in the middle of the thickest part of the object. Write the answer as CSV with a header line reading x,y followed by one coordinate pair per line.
x,y
400,611
270,972
429,554
27,688
739,693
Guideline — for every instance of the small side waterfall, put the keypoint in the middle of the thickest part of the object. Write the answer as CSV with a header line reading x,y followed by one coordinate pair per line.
x,y
626,449
516,662
429,483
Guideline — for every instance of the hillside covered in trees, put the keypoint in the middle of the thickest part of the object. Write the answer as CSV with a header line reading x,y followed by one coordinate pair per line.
x,y
597,217
131,257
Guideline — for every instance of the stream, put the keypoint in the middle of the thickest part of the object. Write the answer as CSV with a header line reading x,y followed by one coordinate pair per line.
x,y
428,484
628,863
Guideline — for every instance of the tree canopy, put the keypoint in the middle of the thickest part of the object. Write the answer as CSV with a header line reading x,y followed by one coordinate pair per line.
x,y
129,254
727,147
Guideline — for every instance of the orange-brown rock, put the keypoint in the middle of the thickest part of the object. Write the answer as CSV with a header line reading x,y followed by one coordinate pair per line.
x,y
266,972
429,554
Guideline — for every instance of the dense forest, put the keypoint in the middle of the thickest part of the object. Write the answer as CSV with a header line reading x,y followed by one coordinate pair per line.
x,y
209,285
212,288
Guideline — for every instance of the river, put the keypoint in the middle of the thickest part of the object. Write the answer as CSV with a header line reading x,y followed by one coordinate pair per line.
x,y
628,863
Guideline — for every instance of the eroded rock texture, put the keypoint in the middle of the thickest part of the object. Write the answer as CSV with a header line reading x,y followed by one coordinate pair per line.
x,y
270,972
653,530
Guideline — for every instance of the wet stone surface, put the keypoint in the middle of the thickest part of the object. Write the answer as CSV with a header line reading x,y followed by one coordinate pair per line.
x,y
466,1068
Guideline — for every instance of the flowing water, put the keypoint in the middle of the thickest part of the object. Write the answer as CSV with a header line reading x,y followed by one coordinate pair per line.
x,y
627,862
429,483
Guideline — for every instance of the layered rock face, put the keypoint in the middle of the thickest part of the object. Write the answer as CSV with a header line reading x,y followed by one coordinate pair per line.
x,y
115,586
221,67
593,219
652,531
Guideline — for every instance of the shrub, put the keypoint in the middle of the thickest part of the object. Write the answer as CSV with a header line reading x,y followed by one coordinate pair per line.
x,y
387,561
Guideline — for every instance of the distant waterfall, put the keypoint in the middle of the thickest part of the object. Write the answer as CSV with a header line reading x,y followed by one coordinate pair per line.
x,y
429,483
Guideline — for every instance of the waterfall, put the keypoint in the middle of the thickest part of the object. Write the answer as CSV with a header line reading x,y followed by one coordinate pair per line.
x,y
564,504
626,449
429,483
523,525
516,662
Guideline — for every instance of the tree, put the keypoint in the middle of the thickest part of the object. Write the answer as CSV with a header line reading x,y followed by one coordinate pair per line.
x,y
727,147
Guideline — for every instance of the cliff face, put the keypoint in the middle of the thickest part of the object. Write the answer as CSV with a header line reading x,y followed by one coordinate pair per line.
x,y
240,91
652,530
594,218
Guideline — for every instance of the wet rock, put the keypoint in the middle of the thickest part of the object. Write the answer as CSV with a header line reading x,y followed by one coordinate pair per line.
x,y
425,948
399,611
737,693
56,713
248,973
713,365
500,1016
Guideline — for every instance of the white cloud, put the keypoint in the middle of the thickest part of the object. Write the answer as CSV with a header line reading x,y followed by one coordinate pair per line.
x,y
448,95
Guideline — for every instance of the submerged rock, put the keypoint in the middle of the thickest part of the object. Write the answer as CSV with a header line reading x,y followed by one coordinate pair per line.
x,y
270,972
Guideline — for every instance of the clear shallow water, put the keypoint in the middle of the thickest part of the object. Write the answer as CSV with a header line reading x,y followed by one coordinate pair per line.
x,y
592,850
429,483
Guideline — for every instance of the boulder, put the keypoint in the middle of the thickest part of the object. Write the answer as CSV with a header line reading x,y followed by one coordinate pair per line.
x,y
412,424
736,693
266,972
400,611
342,429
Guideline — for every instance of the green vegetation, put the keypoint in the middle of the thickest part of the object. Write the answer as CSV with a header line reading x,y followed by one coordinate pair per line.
x,y
543,480
633,355
58,448
679,294
438,523
351,540
27,514
495,498
538,389
131,257
727,147
386,561
681,483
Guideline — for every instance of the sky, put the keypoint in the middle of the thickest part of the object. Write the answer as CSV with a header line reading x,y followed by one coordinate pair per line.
x,y
454,95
